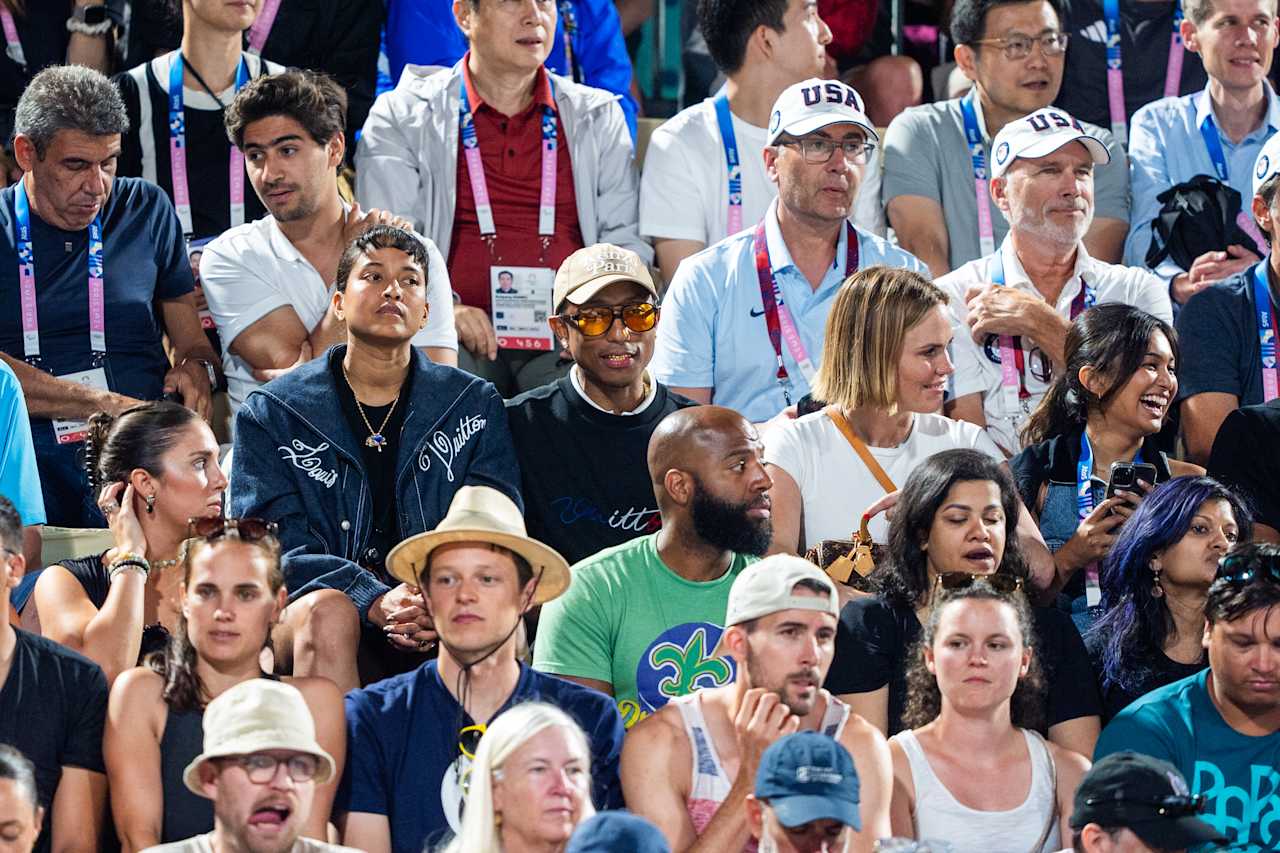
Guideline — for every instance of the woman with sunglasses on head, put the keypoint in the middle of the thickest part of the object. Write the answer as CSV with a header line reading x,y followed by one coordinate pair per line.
x,y
970,768
232,594
1106,407
954,520
583,440
1155,582
530,785
152,469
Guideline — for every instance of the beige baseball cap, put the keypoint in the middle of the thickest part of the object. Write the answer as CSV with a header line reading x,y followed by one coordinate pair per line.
x,y
768,586
591,269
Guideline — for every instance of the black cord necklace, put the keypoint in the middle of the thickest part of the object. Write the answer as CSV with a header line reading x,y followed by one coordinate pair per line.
x,y
204,85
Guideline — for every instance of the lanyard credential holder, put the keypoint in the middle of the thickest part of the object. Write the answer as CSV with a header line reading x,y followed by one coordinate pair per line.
x,y
725,119
480,186
261,29
1266,332
178,151
978,158
12,44
1212,142
777,316
1115,67
27,283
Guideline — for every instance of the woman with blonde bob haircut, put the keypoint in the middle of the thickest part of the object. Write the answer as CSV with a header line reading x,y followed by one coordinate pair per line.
x,y
530,785
883,375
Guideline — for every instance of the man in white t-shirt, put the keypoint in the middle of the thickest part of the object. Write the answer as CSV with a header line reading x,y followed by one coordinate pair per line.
x,y
687,201
269,283
1020,300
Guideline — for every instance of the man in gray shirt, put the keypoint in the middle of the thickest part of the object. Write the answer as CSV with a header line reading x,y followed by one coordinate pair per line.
x,y
936,190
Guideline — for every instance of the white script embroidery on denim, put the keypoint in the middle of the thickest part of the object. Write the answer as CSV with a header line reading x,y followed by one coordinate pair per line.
x,y
446,447
304,457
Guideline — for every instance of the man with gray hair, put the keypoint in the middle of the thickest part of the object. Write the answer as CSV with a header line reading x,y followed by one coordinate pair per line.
x,y
81,246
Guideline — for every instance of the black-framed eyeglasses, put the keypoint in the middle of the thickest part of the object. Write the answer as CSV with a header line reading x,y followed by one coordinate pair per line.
x,y
1018,45
246,529
1172,805
1243,568
1003,584
261,767
596,320
818,149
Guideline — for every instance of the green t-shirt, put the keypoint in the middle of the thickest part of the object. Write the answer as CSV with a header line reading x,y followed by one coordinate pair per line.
x,y
628,620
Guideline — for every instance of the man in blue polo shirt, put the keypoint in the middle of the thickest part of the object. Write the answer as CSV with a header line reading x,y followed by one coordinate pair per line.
x,y
411,739
1228,330
744,320
77,246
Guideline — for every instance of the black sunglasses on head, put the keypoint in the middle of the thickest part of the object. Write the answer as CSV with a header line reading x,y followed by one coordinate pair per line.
x,y
1003,584
1172,805
245,529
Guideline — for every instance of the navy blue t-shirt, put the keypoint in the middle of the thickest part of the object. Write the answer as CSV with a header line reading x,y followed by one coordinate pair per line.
x,y
1218,338
403,759
144,261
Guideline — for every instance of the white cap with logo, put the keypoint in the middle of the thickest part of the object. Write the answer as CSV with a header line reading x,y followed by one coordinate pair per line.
x,y
814,104
1267,164
1040,134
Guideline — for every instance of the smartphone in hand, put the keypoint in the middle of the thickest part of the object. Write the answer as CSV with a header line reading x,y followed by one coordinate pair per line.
x,y
1125,476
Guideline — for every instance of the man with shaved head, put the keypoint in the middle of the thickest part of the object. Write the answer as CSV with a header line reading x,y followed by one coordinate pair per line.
x,y
641,619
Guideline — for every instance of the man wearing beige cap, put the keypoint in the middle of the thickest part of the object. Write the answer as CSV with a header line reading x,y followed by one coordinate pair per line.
x,y
411,739
780,630
599,418
260,766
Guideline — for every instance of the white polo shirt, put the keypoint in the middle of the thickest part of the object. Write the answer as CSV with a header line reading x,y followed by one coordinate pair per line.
x,y
713,333
253,269
978,365
684,186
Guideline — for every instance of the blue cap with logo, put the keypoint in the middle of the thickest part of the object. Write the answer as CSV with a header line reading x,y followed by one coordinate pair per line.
x,y
809,776
617,830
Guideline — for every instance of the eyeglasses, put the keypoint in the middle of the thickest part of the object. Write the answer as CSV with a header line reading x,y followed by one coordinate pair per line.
x,y
1243,568
1172,805
1018,46
818,149
469,740
1003,584
246,529
261,768
595,321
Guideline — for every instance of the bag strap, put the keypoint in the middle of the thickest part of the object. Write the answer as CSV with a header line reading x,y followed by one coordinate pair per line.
x,y
1053,787
859,448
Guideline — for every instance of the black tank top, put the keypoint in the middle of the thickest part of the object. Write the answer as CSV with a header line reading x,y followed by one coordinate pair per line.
x,y
93,577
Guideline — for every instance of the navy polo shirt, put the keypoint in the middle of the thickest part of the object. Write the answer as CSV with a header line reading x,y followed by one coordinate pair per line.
x,y
1218,339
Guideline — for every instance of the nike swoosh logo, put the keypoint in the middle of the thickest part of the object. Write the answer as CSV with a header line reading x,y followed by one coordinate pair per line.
x,y
755,313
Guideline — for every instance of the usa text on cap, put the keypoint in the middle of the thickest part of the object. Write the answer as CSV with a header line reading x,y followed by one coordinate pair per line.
x,y
814,104
1039,135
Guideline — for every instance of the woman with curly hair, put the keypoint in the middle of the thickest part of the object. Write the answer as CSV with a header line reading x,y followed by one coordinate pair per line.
x,y
1154,585
957,515
971,768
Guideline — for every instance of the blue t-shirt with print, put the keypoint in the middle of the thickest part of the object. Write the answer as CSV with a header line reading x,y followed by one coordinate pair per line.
x,y
403,757
1239,775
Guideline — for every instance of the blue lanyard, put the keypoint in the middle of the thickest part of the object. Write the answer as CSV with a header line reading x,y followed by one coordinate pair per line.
x,y
1084,476
27,282
725,119
1266,331
1209,132
978,160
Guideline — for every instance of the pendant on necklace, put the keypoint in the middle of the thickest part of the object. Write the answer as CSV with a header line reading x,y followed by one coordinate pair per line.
x,y
375,440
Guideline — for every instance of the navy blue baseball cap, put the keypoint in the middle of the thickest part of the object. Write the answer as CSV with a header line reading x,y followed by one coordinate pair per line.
x,y
612,831
809,776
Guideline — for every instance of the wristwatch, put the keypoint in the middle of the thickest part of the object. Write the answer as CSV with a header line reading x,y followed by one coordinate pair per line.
x,y
91,20
208,368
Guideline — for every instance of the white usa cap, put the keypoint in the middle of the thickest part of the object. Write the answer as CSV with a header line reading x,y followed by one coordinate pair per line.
x,y
1267,164
814,104
1039,135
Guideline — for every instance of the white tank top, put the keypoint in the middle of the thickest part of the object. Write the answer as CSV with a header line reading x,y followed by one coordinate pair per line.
x,y
710,783
940,817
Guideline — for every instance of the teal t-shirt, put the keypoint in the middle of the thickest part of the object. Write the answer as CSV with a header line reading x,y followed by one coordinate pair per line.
x,y
630,621
1239,775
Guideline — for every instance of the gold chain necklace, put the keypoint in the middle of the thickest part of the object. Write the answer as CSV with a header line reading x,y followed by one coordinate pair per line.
x,y
376,439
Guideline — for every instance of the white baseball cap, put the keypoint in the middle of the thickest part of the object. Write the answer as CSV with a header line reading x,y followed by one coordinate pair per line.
x,y
1040,134
768,587
814,104
1267,164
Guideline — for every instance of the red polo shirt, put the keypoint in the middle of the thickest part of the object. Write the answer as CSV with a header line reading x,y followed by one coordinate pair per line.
x,y
511,151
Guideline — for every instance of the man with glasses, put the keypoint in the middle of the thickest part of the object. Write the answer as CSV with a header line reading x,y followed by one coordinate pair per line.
x,y
1132,803
1221,727
1218,131
582,439
260,766
1013,307
937,157
745,319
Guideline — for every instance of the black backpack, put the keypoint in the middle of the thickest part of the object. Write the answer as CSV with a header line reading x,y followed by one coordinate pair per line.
x,y
1195,217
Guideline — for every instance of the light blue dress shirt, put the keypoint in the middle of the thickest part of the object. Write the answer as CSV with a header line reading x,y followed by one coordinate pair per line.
x,y
1166,148
19,477
712,330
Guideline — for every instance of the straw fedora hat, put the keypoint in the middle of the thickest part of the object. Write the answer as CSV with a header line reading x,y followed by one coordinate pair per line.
x,y
482,514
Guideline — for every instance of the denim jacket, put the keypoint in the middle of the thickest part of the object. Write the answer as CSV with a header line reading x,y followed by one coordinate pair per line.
x,y
297,463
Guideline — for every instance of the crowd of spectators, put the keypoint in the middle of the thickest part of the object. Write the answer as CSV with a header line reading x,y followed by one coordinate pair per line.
x,y
881,453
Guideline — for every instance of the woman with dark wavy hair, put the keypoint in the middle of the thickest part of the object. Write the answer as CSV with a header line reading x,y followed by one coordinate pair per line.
x,y
957,515
1154,585
1107,406
971,768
